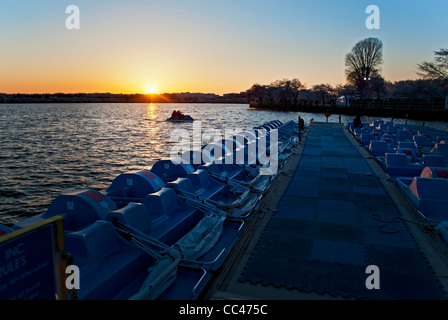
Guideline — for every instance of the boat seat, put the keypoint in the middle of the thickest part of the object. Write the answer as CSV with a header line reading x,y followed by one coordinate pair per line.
x,y
433,161
410,154
379,148
224,171
431,197
134,215
397,165
404,135
107,263
170,217
365,138
407,145
170,170
203,184
423,141
134,185
79,209
196,158
441,149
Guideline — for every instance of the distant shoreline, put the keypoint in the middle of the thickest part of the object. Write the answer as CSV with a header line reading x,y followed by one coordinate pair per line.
x,y
184,97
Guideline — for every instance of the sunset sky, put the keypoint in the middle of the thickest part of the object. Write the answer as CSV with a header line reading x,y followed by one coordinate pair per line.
x,y
205,45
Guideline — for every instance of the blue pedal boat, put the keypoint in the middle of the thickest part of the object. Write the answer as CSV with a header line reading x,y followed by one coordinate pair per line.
x,y
112,268
428,192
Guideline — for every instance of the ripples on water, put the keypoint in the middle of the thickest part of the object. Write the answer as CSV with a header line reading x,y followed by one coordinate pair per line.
x,y
46,150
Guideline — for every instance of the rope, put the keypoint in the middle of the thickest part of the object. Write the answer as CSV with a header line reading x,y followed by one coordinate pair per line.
x,y
426,228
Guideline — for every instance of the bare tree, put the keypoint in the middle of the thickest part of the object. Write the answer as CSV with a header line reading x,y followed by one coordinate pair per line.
x,y
323,91
295,87
288,88
256,93
363,63
437,70
378,86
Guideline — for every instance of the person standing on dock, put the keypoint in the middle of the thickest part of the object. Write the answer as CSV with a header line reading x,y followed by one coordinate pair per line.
x,y
357,122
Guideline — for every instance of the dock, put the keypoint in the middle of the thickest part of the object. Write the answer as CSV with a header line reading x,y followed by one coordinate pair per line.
x,y
331,215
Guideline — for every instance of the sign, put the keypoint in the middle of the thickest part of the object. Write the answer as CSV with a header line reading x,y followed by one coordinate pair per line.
x,y
30,262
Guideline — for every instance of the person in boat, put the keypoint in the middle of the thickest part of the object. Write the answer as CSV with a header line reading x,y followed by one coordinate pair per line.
x,y
357,122
176,115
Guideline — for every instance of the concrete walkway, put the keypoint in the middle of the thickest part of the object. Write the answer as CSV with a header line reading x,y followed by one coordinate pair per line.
x,y
331,215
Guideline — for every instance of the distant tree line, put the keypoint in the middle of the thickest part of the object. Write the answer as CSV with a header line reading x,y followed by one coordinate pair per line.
x,y
364,84
184,97
278,94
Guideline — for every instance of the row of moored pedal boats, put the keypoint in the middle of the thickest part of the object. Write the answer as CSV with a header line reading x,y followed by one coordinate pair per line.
x,y
163,233
417,160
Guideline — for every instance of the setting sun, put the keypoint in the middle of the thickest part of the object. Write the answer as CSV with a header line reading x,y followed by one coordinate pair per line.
x,y
151,90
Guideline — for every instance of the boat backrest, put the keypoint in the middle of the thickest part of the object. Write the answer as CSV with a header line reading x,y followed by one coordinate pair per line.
x,y
441,149
433,161
365,138
378,147
231,144
182,184
429,188
134,184
171,218
423,141
215,168
204,185
217,150
242,139
410,154
407,145
162,203
266,127
404,135
134,215
80,208
390,140
170,170
200,179
94,242
392,129
107,262
393,160
251,135
197,157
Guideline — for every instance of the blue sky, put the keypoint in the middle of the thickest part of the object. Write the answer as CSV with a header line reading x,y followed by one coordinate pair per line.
x,y
208,46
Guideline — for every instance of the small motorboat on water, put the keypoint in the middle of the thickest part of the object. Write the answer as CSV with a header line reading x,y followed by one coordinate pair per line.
x,y
178,116
187,118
